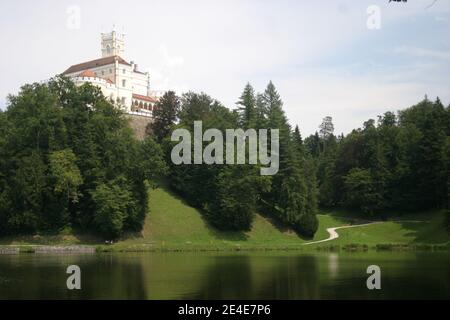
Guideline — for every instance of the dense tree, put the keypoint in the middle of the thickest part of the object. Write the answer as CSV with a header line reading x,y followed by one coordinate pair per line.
x,y
230,194
298,141
165,114
312,145
293,192
69,158
226,193
114,202
398,163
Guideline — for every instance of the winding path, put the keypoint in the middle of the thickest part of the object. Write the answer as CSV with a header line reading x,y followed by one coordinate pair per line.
x,y
335,235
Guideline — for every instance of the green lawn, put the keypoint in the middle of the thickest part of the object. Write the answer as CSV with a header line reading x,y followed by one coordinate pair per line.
x,y
430,231
173,225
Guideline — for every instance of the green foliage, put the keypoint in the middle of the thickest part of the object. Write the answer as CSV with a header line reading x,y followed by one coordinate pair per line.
x,y
150,161
400,163
247,109
65,153
307,225
164,115
293,189
225,193
65,172
361,191
233,206
113,203
230,194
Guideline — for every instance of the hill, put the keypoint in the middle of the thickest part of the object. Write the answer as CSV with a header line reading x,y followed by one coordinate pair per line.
x,y
175,226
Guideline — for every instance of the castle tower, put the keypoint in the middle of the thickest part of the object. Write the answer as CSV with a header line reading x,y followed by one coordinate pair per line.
x,y
113,44
149,92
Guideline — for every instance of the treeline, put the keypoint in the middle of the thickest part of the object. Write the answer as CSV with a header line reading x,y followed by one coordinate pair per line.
x,y
229,195
68,159
401,162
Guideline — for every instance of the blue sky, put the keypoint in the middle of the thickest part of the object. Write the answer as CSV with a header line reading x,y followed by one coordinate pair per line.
x,y
320,54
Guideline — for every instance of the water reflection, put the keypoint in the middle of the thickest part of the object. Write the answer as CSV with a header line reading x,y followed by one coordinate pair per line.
x,y
333,264
227,276
44,277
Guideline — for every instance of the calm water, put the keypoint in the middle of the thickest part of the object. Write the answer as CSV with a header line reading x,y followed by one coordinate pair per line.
x,y
227,276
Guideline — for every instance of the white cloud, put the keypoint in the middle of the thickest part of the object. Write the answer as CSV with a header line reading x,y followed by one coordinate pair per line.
x,y
442,19
422,52
309,49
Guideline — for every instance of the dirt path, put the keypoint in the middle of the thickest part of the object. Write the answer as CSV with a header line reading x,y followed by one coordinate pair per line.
x,y
335,235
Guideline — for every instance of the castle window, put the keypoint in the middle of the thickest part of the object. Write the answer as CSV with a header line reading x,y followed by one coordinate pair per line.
x,y
110,70
124,83
103,73
123,100
123,71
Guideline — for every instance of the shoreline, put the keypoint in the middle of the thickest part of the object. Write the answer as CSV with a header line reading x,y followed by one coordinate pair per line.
x,y
98,249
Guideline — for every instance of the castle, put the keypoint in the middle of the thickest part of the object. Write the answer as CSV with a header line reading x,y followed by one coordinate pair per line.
x,y
119,80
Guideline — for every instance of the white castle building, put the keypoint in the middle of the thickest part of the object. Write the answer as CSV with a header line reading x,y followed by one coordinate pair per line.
x,y
118,79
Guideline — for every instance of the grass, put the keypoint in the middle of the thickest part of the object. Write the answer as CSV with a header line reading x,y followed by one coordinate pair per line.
x,y
173,225
429,231
63,239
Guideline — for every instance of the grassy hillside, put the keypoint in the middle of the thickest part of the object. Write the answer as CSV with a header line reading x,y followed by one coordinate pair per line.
x,y
413,229
174,225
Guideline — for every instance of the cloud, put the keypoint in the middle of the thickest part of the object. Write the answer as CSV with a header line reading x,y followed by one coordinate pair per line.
x,y
441,19
170,61
320,55
422,52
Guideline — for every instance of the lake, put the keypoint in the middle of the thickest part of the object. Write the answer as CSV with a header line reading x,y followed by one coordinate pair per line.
x,y
258,275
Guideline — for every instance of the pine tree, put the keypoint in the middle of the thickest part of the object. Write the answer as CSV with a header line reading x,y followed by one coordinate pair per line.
x,y
298,141
290,190
247,111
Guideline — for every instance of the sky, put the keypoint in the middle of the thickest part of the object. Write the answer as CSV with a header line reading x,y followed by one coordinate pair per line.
x,y
352,60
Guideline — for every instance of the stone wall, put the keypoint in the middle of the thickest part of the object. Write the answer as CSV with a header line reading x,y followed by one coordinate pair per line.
x,y
138,124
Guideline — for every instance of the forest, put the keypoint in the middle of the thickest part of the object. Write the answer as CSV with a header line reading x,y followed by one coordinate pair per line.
x,y
399,163
69,161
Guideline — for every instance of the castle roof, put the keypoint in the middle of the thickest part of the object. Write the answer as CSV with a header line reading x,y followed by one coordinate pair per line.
x,y
144,98
95,63
88,74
